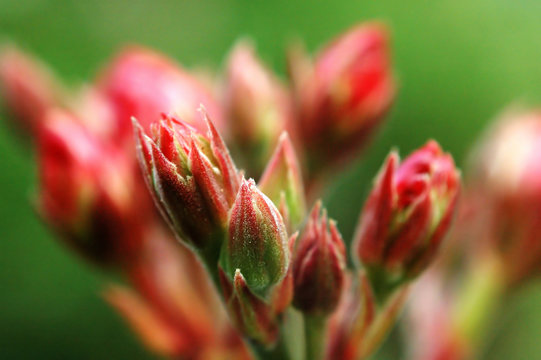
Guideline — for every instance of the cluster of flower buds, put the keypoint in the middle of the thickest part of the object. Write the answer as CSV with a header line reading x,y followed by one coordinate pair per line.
x,y
343,95
406,215
245,235
221,216
506,192
400,229
92,192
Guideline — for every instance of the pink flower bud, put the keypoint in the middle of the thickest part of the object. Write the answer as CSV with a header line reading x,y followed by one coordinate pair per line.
x,y
407,213
318,265
83,192
506,188
251,315
344,95
257,242
191,176
258,107
144,84
29,89
282,183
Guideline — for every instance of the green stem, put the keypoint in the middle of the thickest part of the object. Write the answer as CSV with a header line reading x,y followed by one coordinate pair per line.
x,y
383,285
477,301
262,352
385,319
314,332
210,256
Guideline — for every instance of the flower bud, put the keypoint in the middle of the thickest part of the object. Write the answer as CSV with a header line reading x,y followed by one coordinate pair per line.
x,y
258,107
407,213
29,89
83,187
257,243
192,177
144,84
506,188
153,331
343,96
432,317
251,315
318,265
282,183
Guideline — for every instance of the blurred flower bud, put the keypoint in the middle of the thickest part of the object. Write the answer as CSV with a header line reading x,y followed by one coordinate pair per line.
x,y
430,316
407,214
318,265
29,89
192,178
506,184
83,187
343,96
258,108
144,84
257,242
282,183
153,330
250,314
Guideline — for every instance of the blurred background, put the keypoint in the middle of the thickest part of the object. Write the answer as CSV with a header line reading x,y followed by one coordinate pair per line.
x,y
459,63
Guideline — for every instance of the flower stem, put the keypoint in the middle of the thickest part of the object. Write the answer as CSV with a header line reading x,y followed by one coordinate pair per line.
x,y
261,352
314,333
476,303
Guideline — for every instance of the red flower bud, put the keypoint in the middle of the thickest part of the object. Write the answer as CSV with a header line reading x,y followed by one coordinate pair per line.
x,y
282,183
507,188
258,107
251,315
29,89
318,265
191,176
83,189
144,84
257,242
408,212
344,95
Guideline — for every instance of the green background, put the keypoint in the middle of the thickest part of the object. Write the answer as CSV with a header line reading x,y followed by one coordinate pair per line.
x,y
459,63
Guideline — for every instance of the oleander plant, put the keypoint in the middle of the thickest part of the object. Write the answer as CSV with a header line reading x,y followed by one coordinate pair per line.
x,y
202,198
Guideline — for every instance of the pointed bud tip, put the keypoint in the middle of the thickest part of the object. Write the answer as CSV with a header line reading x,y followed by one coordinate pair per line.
x,y
407,212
